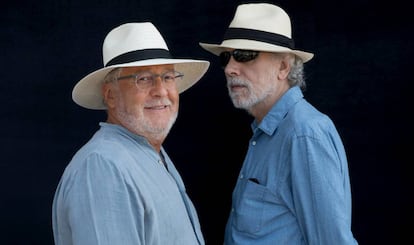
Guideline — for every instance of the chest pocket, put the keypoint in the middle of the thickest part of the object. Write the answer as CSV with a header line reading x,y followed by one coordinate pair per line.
x,y
250,209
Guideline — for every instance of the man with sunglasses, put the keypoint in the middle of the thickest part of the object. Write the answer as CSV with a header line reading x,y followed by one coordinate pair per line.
x,y
121,188
293,186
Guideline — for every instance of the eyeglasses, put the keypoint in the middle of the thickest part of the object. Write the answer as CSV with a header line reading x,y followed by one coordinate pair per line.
x,y
239,55
145,80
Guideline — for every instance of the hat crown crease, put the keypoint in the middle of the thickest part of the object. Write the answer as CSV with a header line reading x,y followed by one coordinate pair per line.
x,y
124,39
252,16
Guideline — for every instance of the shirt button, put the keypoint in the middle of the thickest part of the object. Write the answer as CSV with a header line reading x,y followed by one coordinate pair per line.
x,y
159,161
254,143
241,176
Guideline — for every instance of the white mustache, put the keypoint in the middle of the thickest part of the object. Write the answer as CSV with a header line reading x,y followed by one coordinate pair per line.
x,y
236,82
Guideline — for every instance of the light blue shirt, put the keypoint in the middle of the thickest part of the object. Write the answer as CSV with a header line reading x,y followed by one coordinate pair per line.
x,y
116,191
293,187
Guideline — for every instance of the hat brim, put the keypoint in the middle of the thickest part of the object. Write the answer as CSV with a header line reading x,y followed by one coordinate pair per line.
x,y
253,45
88,91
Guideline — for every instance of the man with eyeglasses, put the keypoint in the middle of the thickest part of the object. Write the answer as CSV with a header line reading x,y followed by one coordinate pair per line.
x,y
293,186
121,187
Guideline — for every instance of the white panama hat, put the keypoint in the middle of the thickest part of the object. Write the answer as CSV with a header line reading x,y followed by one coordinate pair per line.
x,y
130,45
259,27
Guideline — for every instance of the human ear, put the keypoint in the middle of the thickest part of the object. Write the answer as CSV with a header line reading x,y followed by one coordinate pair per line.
x,y
108,95
284,67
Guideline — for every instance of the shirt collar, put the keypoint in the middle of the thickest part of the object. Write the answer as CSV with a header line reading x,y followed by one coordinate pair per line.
x,y
278,111
123,130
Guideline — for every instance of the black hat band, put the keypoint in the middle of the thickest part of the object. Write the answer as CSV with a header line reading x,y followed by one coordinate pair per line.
x,y
257,35
138,55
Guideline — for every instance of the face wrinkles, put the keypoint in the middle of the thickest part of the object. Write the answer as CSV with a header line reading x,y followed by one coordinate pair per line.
x,y
150,113
135,119
246,93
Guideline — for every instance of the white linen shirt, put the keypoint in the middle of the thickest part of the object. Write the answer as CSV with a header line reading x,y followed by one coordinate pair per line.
x,y
116,191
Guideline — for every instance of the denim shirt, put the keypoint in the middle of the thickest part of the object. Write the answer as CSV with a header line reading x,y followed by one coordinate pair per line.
x,y
116,190
293,187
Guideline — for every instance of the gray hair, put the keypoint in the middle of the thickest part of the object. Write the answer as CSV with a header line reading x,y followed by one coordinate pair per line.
x,y
296,76
112,76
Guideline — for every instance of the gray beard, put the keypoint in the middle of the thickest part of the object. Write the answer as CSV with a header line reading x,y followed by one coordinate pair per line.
x,y
250,97
141,126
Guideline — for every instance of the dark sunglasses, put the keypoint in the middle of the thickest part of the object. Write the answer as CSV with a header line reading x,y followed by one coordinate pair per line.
x,y
239,55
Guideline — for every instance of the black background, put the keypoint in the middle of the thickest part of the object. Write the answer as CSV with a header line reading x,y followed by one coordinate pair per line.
x,y
360,76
